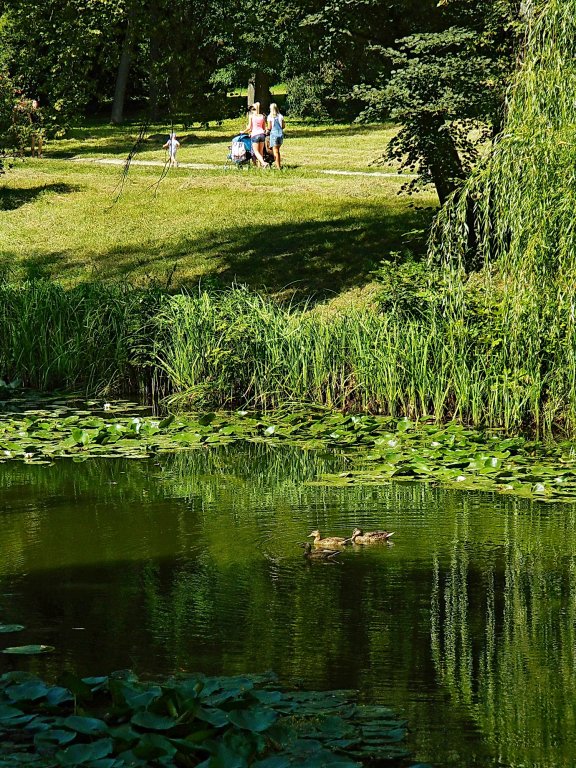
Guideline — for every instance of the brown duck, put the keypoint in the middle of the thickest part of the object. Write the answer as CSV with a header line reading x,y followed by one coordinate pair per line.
x,y
319,554
370,537
330,542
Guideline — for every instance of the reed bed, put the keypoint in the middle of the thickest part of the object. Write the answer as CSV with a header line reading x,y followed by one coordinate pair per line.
x,y
240,349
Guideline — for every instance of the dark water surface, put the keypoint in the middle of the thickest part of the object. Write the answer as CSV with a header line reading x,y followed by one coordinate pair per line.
x,y
466,626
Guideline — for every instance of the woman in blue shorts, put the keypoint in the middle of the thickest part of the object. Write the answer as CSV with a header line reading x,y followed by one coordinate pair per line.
x,y
276,128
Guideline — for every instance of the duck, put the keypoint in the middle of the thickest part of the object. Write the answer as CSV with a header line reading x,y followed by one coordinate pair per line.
x,y
370,537
330,542
319,554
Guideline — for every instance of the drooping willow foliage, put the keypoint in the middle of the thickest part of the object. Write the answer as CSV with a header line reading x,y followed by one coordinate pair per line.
x,y
514,222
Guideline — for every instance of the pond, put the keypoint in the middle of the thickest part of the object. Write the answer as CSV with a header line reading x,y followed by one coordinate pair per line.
x,y
466,624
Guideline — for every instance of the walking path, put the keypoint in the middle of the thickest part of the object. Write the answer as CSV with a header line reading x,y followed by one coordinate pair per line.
x,y
216,167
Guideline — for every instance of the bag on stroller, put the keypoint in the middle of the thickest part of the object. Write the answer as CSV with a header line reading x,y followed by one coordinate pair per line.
x,y
241,149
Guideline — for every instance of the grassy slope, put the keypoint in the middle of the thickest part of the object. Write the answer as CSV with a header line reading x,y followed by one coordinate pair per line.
x,y
317,234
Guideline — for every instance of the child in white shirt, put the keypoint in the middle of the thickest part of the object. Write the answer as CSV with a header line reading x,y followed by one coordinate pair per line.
x,y
172,146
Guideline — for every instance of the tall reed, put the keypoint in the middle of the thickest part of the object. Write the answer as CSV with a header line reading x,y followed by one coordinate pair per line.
x,y
237,348
87,337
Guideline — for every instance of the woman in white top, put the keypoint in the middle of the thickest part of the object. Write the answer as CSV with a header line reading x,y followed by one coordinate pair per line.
x,y
276,129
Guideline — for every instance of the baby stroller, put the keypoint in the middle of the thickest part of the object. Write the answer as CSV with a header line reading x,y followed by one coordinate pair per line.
x,y
240,151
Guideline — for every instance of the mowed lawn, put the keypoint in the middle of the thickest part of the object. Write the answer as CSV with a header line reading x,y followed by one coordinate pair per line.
x,y
297,232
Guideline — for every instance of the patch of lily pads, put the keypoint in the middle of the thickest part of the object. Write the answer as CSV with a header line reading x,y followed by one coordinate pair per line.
x,y
193,721
378,449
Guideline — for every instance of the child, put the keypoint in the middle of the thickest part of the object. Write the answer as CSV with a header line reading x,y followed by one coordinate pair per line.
x,y
172,146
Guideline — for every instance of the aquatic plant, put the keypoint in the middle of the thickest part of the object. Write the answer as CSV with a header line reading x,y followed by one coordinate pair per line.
x,y
217,722
377,449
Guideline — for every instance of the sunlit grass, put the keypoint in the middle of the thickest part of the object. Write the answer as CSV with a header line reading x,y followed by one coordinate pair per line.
x,y
307,146
295,232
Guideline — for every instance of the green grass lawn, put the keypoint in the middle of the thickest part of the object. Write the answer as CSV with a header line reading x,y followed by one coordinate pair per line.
x,y
298,232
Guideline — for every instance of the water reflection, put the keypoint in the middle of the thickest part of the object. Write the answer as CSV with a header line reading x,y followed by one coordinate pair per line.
x,y
515,670
191,563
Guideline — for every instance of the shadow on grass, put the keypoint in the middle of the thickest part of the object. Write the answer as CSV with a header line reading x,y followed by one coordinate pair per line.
x,y
310,260
12,198
317,258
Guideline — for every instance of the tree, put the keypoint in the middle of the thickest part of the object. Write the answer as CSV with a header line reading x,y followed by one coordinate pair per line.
x,y
447,91
69,61
340,45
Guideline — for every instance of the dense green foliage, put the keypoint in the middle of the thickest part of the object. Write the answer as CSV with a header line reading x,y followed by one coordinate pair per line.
x,y
118,721
237,348
447,90
513,222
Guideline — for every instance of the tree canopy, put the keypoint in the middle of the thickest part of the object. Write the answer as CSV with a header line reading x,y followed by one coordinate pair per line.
x,y
440,69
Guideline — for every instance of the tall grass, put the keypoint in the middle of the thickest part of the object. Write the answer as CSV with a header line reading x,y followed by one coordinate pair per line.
x,y
237,348
88,337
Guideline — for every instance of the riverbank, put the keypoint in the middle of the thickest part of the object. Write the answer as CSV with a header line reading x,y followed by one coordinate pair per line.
x,y
236,348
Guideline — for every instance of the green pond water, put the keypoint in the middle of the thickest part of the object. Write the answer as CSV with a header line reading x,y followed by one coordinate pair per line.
x,y
466,625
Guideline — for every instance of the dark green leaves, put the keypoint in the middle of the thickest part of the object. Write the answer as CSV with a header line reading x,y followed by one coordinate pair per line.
x,y
213,722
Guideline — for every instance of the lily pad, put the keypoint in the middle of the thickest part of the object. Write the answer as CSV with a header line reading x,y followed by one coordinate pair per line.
x,y
7,628
29,650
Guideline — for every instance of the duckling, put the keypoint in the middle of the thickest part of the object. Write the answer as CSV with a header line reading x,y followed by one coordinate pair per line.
x,y
319,554
330,542
370,537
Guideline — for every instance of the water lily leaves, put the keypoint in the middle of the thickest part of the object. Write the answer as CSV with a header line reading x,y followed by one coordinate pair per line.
x,y
256,719
216,717
31,690
7,628
379,449
29,650
89,726
80,754
9,713
152,721
206,419
53,737
305,728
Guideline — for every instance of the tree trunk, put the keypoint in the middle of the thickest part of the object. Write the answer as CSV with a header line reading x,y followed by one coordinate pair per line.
x,y
117,115
259,90
444,162
155,67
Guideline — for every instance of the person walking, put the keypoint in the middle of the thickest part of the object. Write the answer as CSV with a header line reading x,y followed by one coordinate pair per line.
x,y
257,129
172,146
276,128
36,129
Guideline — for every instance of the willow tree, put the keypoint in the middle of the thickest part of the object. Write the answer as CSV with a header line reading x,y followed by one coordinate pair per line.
x,y
513,221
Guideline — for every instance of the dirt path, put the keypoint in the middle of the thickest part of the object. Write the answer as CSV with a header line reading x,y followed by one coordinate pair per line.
x,y
216,167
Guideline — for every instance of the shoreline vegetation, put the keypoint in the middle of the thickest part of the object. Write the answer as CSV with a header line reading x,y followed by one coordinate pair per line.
x,y
238,349
484,333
